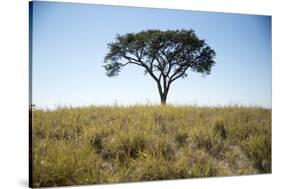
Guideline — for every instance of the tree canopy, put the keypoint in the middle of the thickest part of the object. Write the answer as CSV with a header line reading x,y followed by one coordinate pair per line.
x,y
164,55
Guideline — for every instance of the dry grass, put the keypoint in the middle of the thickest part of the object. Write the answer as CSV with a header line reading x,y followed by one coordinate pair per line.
x,y
139,143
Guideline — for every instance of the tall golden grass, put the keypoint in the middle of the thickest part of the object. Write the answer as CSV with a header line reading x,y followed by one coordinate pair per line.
x,y
109,144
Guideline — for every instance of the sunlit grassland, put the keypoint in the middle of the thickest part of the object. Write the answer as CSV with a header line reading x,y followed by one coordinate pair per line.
x,y
109,144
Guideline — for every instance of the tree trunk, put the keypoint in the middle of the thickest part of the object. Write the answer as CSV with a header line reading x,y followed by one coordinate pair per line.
x,y
163,98
163,93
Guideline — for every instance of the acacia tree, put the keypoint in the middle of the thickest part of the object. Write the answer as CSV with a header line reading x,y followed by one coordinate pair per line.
x,y
164,55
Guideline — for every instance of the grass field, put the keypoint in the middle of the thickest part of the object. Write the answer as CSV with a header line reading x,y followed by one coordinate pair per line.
x,y
109,144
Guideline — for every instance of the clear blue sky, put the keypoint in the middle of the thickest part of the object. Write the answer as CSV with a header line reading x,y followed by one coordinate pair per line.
x,y
70,41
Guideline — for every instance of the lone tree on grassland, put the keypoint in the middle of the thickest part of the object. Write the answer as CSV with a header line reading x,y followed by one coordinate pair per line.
x,y
164,55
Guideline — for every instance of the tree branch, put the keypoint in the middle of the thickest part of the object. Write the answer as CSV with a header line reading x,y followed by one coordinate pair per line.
x,y
139,62
174,77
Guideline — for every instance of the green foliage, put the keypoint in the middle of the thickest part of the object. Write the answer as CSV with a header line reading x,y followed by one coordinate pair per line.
x,y
109,144
164,50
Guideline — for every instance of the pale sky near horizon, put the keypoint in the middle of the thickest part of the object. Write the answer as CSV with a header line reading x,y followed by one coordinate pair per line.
x,y
70,40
